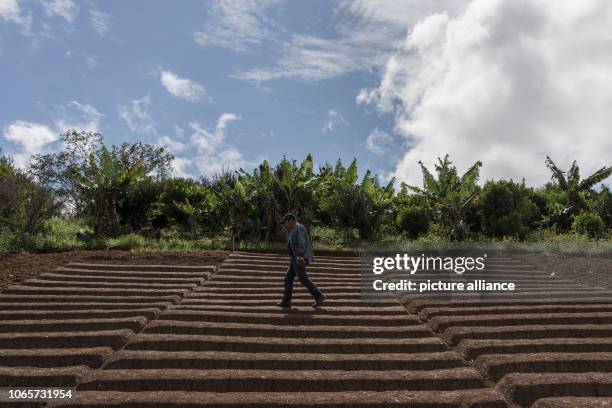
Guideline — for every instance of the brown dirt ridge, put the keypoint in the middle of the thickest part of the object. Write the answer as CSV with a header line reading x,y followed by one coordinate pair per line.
x,y
169,334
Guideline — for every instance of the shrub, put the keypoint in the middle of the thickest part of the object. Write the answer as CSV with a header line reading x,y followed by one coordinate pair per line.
x,y
603,206
24,204
184,203
413,220
507,209
589,223
137,209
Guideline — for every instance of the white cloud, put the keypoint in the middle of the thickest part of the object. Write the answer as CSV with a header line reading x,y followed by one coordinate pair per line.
x,y
210,152
67,9
182,87
311,58
334,119
180,167
397,14
173,145
10,11
505,82
31,137
210,141
365,34
99,21
236,24
137,115
79,116
380,142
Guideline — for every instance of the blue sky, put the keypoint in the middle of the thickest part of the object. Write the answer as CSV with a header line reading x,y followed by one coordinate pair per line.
x,y
158,72
227,83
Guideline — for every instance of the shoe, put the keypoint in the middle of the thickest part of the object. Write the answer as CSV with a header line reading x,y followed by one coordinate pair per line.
x,y
319,301
284,305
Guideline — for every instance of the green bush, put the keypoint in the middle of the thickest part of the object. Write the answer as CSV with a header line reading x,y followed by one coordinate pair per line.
x,y
413,220
602,204
186,204
589,223
507,209
24,204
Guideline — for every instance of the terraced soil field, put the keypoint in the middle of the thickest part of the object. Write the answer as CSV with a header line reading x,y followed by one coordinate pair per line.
x,y
177,336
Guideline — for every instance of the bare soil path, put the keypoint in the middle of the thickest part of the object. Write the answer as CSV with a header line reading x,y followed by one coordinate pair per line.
x,y
194,336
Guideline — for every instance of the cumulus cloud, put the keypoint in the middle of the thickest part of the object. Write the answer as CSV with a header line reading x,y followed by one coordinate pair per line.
x,y
11,12
79,116
334,119
31,137
136,115
211,152
182,87
67,9
236,24
99,21
505,82
206,151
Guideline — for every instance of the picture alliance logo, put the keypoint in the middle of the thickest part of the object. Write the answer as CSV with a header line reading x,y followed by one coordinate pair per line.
x,y
414,264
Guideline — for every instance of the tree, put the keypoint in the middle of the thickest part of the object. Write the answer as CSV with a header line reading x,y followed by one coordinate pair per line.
x,y
340,199
506,209
603,206
293,186
186,203
94,178
138,210
449,195
266,207
378,203
589,223
576,190
413,215
24,204
349,205
238,205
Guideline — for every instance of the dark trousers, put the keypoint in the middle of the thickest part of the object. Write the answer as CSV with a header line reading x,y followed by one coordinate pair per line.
x,y
293,270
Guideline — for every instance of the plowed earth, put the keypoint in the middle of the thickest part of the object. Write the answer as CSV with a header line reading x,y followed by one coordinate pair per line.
x,y
15,268
167,334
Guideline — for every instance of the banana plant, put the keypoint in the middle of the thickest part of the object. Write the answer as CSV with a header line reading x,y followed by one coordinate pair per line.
x,y
238,206
575,189
186,203
262,184
449,195
104,181
293,182
378,203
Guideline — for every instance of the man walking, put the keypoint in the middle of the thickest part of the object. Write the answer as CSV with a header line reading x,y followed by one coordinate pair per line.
x,y
300,251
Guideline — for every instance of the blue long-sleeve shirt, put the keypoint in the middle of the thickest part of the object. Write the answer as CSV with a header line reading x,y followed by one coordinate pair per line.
x,y
299,244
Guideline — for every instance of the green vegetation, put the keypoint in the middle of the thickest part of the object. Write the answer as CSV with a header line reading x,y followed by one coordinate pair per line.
x,y
90,195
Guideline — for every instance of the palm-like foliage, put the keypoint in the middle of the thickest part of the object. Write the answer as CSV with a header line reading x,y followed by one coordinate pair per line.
x,y
294,185
186,203
94,179
238,205
104,181
575,188
266,206
378,204
449,195
350,205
